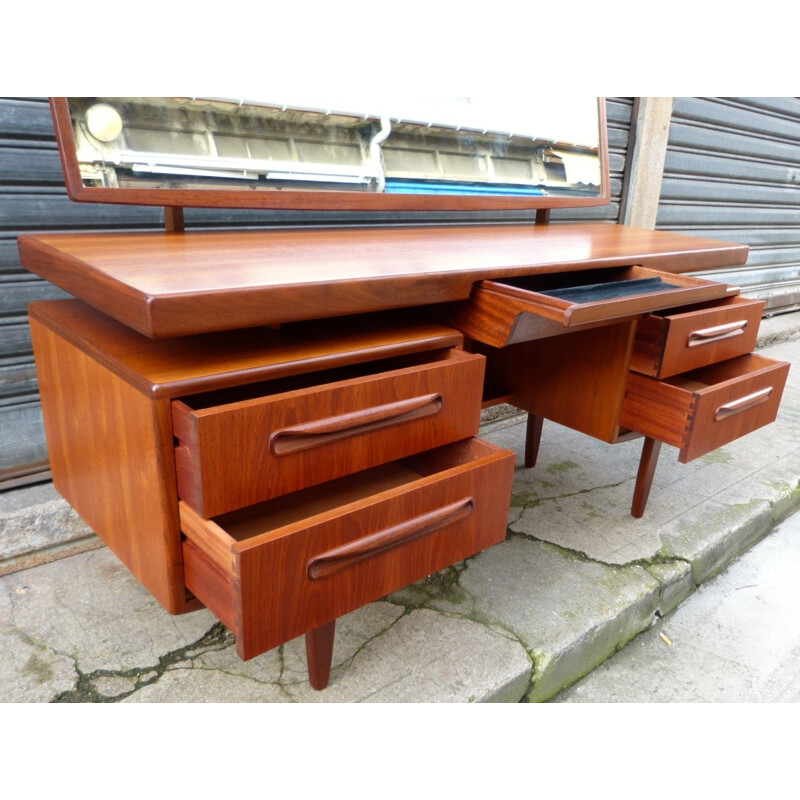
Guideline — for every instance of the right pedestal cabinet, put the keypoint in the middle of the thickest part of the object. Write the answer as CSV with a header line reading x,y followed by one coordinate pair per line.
x,y
600,353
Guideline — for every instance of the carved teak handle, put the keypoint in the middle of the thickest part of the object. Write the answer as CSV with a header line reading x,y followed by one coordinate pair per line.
x,y
324,431
715,334
742,404
340,558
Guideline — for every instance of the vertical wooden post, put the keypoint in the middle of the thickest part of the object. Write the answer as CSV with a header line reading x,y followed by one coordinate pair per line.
x,y
173,219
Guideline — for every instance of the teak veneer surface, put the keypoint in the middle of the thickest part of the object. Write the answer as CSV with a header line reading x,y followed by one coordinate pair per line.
x,y
111,457
191,364
171,284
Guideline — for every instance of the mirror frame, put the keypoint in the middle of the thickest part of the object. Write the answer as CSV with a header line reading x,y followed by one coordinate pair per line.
x,y
307,199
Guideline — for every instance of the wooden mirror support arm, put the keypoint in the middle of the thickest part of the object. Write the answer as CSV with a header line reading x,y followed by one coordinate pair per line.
x,y
173,219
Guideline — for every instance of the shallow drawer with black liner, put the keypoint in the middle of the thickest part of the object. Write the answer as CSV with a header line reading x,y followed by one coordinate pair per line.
x,y
681,339
702,410
510,310
294,564
242,446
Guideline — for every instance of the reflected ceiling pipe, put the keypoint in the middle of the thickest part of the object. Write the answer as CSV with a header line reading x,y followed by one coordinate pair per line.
x,y
375,151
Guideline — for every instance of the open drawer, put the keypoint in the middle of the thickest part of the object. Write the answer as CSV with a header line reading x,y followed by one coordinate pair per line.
x,y
285,567
510,310
702,410
240,447
673,341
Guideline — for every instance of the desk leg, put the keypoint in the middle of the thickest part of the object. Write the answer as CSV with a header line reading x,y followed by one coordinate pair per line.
x,y
644,479
319,653
533,435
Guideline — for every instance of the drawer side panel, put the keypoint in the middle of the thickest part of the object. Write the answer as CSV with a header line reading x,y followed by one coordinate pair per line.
x,y
657,410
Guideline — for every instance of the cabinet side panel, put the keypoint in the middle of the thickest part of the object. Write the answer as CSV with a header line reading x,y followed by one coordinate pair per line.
x,y
111,458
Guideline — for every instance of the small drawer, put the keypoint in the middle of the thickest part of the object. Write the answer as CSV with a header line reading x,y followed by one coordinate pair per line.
x,y
244,446
510,310
702,410
282,568
674,341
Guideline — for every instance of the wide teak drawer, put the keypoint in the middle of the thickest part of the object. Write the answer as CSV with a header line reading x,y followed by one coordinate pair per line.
x,y
246,451
671,342
702,410
285,567
509,310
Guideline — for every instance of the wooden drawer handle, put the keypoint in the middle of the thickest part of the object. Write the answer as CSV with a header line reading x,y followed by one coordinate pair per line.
x,y
348,555
332,429
737,406
718,332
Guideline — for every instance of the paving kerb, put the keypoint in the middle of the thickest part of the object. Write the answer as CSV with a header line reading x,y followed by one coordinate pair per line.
x,y
576,579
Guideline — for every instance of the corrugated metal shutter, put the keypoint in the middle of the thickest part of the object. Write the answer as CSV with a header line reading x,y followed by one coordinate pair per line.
x,y
33,198
733,172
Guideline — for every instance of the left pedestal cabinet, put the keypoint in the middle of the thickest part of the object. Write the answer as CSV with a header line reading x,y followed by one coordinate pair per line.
x,y
280,476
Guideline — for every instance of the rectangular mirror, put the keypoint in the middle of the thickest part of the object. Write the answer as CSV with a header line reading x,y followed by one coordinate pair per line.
x,y
336,153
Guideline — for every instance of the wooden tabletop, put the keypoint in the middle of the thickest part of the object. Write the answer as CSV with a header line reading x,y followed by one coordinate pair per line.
x,y
172,284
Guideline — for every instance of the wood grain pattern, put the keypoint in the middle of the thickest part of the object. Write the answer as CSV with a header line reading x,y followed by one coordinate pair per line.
x,y
278,600
172,284
111,455
689,338
227,457
576,380
658,410
192,364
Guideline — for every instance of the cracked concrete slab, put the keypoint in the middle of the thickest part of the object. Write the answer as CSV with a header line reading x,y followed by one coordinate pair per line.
x,y
736,640
576,579
570,613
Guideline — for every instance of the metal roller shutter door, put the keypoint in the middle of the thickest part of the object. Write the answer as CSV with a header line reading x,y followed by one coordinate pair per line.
x,y
33,198
732,172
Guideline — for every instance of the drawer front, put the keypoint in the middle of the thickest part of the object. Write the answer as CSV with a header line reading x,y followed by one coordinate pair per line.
x,y
245,452
311,571
737,406
702,410
670,343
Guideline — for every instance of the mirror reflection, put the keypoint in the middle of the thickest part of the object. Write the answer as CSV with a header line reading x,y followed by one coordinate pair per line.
x,y
512,146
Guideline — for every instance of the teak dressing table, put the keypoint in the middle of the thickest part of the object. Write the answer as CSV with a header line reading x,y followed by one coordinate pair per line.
x,y
281,424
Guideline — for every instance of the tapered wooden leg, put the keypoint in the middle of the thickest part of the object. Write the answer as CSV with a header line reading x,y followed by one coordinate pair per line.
x,y
644,479
319,653
533,435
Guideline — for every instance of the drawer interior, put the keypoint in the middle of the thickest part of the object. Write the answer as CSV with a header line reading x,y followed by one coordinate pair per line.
x,y
509,310
733,369
586,287
262,519
251,391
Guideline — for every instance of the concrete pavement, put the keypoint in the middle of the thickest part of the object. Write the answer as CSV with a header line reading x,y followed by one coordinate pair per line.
x,y
735,640
576,580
